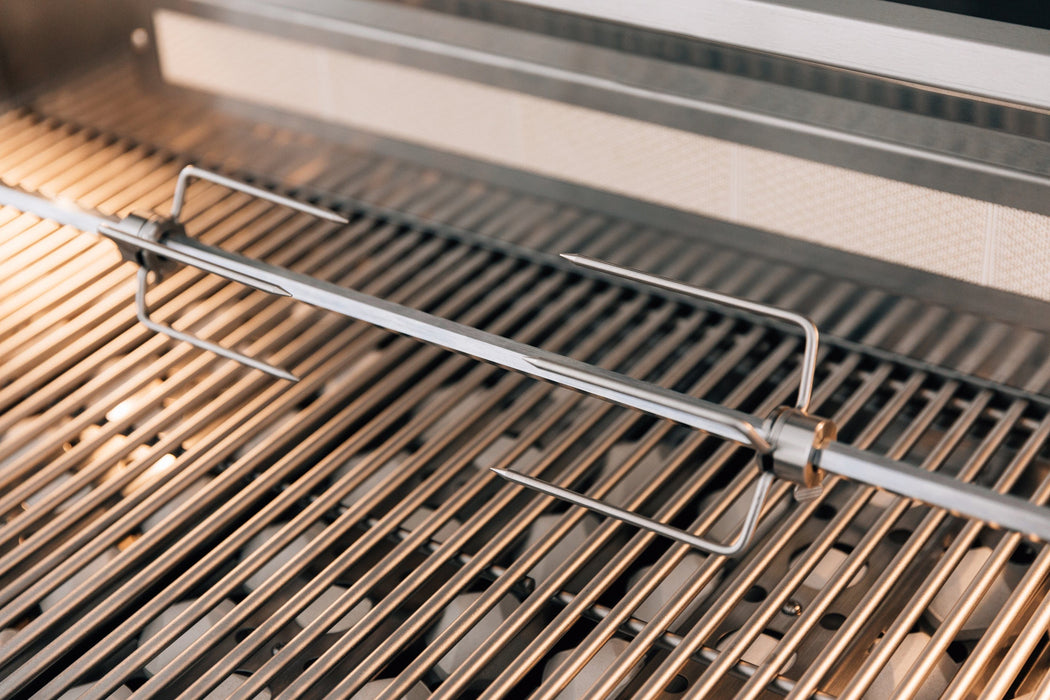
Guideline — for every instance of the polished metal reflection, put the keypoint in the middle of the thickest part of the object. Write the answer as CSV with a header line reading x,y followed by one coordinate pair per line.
x,y
165,239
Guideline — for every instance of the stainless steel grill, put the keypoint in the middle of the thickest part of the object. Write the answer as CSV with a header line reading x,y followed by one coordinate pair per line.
x,y
174,524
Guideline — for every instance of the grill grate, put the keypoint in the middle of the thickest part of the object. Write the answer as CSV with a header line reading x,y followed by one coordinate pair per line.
x,y
172,523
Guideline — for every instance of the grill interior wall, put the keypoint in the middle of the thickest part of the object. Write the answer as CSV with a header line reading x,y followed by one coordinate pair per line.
x,y
175,523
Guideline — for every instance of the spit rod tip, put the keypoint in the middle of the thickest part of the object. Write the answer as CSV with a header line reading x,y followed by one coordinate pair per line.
x,y
539,485
507,474
593,264
337,218
283,374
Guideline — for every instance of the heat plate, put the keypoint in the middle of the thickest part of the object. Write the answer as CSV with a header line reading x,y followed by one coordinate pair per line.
x,y
175,525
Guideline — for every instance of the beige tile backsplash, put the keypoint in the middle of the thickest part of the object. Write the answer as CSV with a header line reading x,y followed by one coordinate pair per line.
x,y
1019,252
638,159
916,226
862,213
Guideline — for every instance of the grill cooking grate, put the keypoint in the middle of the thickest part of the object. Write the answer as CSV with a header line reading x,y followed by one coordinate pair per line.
x,y
173,523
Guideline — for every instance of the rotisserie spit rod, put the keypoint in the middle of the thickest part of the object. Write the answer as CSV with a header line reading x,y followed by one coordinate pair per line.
x,y
790,443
